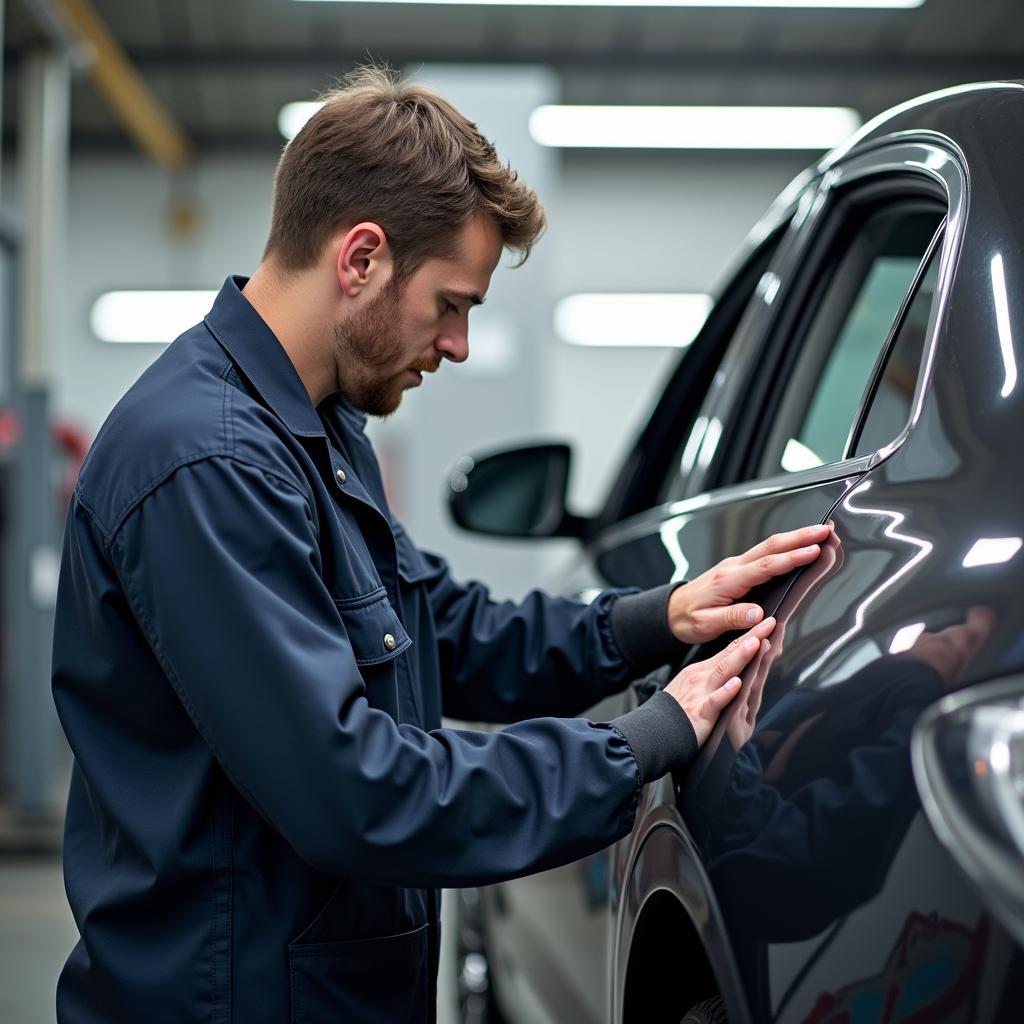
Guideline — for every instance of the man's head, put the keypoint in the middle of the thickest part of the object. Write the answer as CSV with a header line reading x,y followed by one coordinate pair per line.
x,y
394,194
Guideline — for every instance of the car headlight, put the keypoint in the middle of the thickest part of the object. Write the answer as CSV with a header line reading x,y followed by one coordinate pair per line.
x,y
968,757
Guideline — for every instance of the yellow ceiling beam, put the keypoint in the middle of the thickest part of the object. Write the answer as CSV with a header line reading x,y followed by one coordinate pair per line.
x,y
115,76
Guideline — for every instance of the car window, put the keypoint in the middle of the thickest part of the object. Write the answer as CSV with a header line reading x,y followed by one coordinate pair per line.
x,y
846,334
682,409
889,409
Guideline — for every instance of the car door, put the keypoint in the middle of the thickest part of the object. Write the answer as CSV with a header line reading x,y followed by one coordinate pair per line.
x,y
547,935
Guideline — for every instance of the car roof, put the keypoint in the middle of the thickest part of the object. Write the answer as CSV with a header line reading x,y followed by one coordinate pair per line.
x,y
983,119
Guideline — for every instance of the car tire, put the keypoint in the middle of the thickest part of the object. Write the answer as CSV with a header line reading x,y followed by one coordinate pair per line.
x,y
710,1011
476,1002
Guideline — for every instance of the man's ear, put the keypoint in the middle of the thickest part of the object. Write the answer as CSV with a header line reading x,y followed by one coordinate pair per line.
x,y
364,257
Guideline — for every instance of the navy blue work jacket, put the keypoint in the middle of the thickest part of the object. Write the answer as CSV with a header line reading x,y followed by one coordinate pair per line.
x,y
251,662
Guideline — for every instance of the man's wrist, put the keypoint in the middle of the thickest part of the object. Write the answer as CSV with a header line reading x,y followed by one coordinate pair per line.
x,y
660,735
640,626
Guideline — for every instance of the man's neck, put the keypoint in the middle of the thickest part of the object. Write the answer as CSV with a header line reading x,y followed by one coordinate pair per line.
x,y
293,309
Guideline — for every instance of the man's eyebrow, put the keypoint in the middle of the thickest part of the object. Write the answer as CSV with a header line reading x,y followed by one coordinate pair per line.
x,y
470,297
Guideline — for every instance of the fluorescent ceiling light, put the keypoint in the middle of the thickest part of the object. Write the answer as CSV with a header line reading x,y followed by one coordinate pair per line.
x,y
833,4
293,116
631,319
148,316
992,551
807,128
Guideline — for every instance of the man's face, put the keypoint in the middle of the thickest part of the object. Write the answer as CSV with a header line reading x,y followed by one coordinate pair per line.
x,y
410,329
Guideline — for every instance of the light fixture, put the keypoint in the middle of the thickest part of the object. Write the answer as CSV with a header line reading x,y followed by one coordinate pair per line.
x,y
831,4
992,551
622,127
292,116
148,316
631,319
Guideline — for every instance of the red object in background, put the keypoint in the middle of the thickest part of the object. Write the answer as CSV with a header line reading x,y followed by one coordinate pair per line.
x,y
74,445
71,446
10,429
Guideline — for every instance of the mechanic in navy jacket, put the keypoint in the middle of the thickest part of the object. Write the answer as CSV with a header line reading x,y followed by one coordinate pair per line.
x,y
252,658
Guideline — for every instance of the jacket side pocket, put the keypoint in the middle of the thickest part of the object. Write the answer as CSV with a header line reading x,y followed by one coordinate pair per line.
x,y
366,981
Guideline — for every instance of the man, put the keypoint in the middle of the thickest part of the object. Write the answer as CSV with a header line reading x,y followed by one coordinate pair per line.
x,y
252,658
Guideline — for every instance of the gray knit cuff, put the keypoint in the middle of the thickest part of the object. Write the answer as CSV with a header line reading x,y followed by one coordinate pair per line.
x,y
640,627
660,735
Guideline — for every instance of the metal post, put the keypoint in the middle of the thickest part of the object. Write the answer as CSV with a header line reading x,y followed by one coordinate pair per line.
x,y
1,84
32,733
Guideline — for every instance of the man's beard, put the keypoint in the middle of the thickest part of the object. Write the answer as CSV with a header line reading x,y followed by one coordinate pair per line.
x,y
366,344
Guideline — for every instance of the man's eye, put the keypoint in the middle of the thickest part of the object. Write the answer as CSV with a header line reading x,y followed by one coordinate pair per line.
x,y
450,308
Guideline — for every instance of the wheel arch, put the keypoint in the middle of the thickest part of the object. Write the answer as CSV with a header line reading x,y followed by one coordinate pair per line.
x,y
672,949
665,978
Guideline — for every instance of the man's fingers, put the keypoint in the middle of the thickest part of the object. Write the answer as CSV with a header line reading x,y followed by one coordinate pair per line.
x,y
751,574
717,701
761,630
734,659
779,543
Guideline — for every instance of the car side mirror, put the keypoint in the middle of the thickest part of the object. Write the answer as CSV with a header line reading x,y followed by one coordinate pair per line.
x,y
516,493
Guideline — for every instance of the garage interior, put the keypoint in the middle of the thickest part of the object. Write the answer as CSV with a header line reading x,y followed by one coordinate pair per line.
x,y
139,142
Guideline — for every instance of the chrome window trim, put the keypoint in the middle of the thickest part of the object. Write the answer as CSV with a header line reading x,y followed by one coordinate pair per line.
x,y
925,154
644,523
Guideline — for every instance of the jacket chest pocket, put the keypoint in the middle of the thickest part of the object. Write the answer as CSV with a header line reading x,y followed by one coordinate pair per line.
x,y
373,627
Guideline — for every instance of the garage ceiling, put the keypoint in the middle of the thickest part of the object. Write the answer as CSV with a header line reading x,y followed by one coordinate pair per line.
x,y
223,68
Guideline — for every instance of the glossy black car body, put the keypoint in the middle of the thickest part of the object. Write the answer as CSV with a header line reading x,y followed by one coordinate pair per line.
x,y
848,847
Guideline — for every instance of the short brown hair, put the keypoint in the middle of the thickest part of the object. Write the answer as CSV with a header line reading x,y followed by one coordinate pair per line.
x,y
400,155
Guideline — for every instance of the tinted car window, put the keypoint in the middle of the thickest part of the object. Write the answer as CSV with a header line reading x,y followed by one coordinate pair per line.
x,y
846,334
680,423
889,411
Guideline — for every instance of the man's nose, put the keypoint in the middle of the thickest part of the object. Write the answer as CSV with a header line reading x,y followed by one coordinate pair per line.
x,y
453,345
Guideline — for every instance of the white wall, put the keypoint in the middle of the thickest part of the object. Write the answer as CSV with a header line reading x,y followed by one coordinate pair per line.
x,y
120,238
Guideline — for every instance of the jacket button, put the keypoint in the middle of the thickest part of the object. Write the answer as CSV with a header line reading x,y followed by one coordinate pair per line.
x,y
341,476
389,641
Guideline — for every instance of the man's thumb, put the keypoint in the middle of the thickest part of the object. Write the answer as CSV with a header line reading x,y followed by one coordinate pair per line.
x,y
742,616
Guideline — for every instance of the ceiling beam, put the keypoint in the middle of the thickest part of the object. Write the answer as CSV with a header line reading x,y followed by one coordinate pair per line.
x,y
124,88
898,64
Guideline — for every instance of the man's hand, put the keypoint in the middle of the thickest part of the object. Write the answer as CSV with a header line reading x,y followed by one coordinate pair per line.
x,y
704,688
706,608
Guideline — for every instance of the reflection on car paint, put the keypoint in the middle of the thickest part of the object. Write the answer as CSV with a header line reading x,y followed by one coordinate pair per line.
x,y
929,977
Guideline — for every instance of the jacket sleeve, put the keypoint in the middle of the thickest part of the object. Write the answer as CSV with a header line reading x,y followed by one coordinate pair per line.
x,y
220,566
502,661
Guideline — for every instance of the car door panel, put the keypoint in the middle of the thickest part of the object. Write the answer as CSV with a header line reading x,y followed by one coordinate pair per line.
x,y
549,931
690,537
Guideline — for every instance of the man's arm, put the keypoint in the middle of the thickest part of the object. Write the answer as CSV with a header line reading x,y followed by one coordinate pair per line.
x,y
505,661
220,567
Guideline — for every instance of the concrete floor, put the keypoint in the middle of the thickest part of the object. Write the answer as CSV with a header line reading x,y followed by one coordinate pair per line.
x,y
36,935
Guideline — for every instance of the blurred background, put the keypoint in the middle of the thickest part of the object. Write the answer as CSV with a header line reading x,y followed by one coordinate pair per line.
x,y
139,143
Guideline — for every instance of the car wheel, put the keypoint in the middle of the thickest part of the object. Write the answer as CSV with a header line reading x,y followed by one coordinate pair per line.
x,y
710,1011
473,981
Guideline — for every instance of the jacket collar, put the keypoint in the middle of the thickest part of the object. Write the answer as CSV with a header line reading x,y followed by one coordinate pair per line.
x,y
254,348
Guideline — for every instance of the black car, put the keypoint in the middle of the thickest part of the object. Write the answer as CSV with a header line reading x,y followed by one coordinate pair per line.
x,y
849,847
